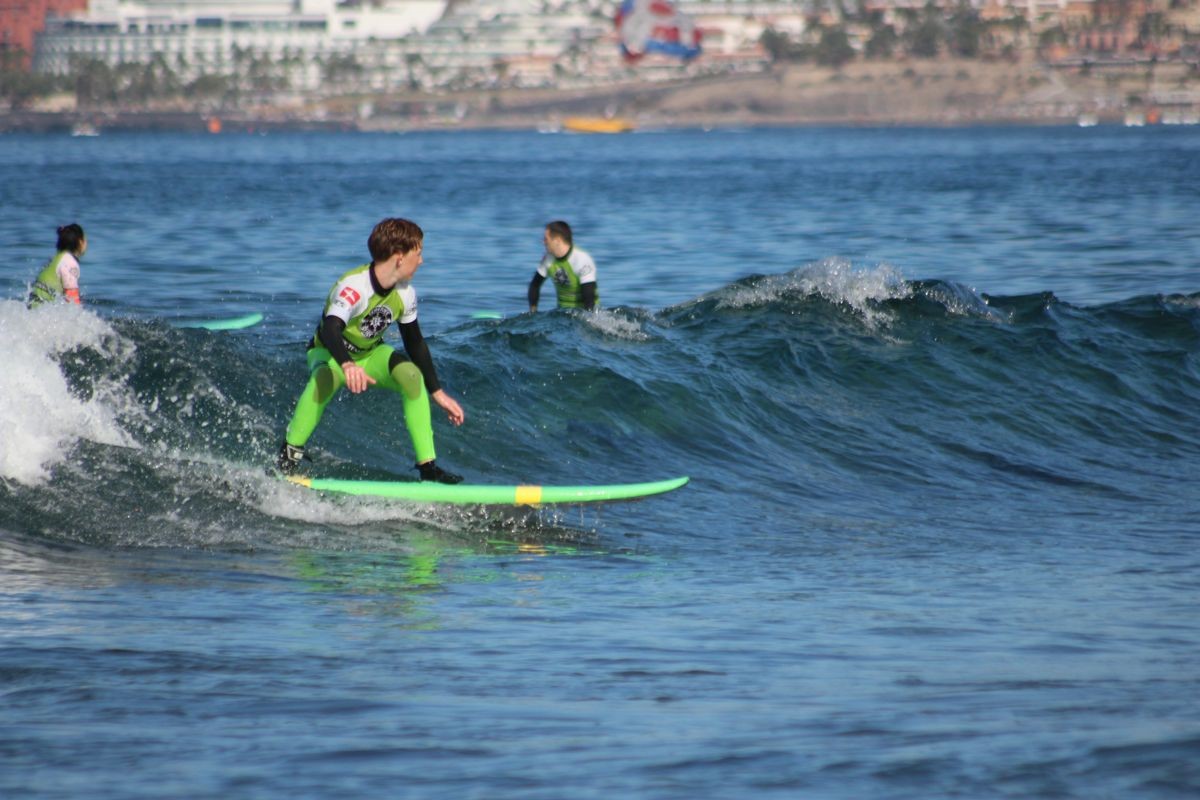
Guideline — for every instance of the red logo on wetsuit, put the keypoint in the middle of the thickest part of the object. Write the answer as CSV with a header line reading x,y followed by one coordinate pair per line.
x,y
349,295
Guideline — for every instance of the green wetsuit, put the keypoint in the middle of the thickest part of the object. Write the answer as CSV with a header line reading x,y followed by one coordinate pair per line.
x,y
48,285
568,273
367,311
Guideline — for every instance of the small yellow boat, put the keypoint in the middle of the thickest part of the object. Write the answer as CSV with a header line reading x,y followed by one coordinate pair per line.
x,y
597,125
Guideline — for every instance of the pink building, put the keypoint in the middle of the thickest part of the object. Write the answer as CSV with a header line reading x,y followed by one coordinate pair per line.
x,y
22,20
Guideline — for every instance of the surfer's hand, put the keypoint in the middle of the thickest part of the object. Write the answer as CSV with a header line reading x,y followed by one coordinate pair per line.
x,y
357,378
453,410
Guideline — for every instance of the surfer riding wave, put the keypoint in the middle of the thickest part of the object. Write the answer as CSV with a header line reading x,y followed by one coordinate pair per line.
x,y
347,349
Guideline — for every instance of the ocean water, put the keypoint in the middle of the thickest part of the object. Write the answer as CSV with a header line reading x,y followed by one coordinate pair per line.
x,y
937,391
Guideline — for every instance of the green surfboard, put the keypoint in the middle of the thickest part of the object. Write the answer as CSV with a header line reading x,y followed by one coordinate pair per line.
x,y
230,324
489,495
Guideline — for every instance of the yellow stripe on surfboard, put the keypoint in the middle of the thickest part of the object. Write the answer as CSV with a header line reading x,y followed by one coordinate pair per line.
x,y
528,496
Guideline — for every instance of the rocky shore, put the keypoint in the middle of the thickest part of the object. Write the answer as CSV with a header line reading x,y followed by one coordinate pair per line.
x,y
918,92
945,92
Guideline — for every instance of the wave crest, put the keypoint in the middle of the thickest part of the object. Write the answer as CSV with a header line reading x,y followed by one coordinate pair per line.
x,y
836,280
43,415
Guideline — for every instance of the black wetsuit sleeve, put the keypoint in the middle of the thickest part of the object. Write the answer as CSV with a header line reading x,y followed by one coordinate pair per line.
x,y
418,351
330,335
535,288
587,295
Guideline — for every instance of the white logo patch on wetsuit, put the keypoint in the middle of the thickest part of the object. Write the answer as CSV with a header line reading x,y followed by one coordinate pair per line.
x,y
376,321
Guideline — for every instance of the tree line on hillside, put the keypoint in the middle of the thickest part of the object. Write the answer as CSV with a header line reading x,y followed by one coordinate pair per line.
x,y
97,84
928,33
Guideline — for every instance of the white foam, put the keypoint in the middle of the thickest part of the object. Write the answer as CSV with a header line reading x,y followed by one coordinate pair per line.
x,y
1183,301
365,522
611,323
836,280
963,301
278,498
40,418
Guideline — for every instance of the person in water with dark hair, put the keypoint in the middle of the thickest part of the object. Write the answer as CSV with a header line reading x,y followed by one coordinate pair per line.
x,y
59,279
570,267
348,349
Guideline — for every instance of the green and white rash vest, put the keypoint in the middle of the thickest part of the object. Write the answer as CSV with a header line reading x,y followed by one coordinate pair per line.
x,y
366,313
568,272
60,274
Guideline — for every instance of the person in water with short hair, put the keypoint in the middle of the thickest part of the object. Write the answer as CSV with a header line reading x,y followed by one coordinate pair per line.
x,y
59,279
348,349
571,268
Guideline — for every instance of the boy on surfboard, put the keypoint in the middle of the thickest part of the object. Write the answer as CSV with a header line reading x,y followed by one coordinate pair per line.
x,y
348,350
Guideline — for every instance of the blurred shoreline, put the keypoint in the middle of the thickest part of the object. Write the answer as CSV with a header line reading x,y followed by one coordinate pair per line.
x,y
942,92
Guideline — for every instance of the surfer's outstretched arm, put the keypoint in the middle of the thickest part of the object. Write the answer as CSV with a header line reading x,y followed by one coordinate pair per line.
x,y
448,404
418,350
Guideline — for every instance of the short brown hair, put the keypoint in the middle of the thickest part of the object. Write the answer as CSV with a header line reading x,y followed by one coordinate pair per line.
x,y
560,229
394,235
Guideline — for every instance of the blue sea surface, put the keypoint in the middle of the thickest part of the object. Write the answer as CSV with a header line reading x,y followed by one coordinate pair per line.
x,y
937,392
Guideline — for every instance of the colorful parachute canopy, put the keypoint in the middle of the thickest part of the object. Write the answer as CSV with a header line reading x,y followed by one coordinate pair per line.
x,y
654,26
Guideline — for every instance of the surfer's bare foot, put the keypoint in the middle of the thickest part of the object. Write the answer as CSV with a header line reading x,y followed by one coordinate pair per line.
x,y
430,471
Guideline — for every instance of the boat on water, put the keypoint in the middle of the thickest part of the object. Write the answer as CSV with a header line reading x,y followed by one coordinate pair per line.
x,y
597,125
84,129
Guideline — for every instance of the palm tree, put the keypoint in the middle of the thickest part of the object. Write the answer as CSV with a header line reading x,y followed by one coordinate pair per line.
x,y
95,81
883,41
778,45
19,86
208,87
834,48
965,31
411,62
924,39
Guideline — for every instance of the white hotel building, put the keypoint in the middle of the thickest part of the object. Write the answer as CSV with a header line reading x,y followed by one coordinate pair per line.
x,y
396,43
197,37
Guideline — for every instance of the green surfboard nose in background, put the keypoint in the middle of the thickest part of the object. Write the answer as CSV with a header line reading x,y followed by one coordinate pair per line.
x,y
231,324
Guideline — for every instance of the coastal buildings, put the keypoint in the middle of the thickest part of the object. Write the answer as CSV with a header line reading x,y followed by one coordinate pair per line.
x,y
22,20
520,43
353,45
299,43
266,48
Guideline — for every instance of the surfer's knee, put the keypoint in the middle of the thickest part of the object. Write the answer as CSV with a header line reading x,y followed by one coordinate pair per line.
x,y
326,383
409,379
